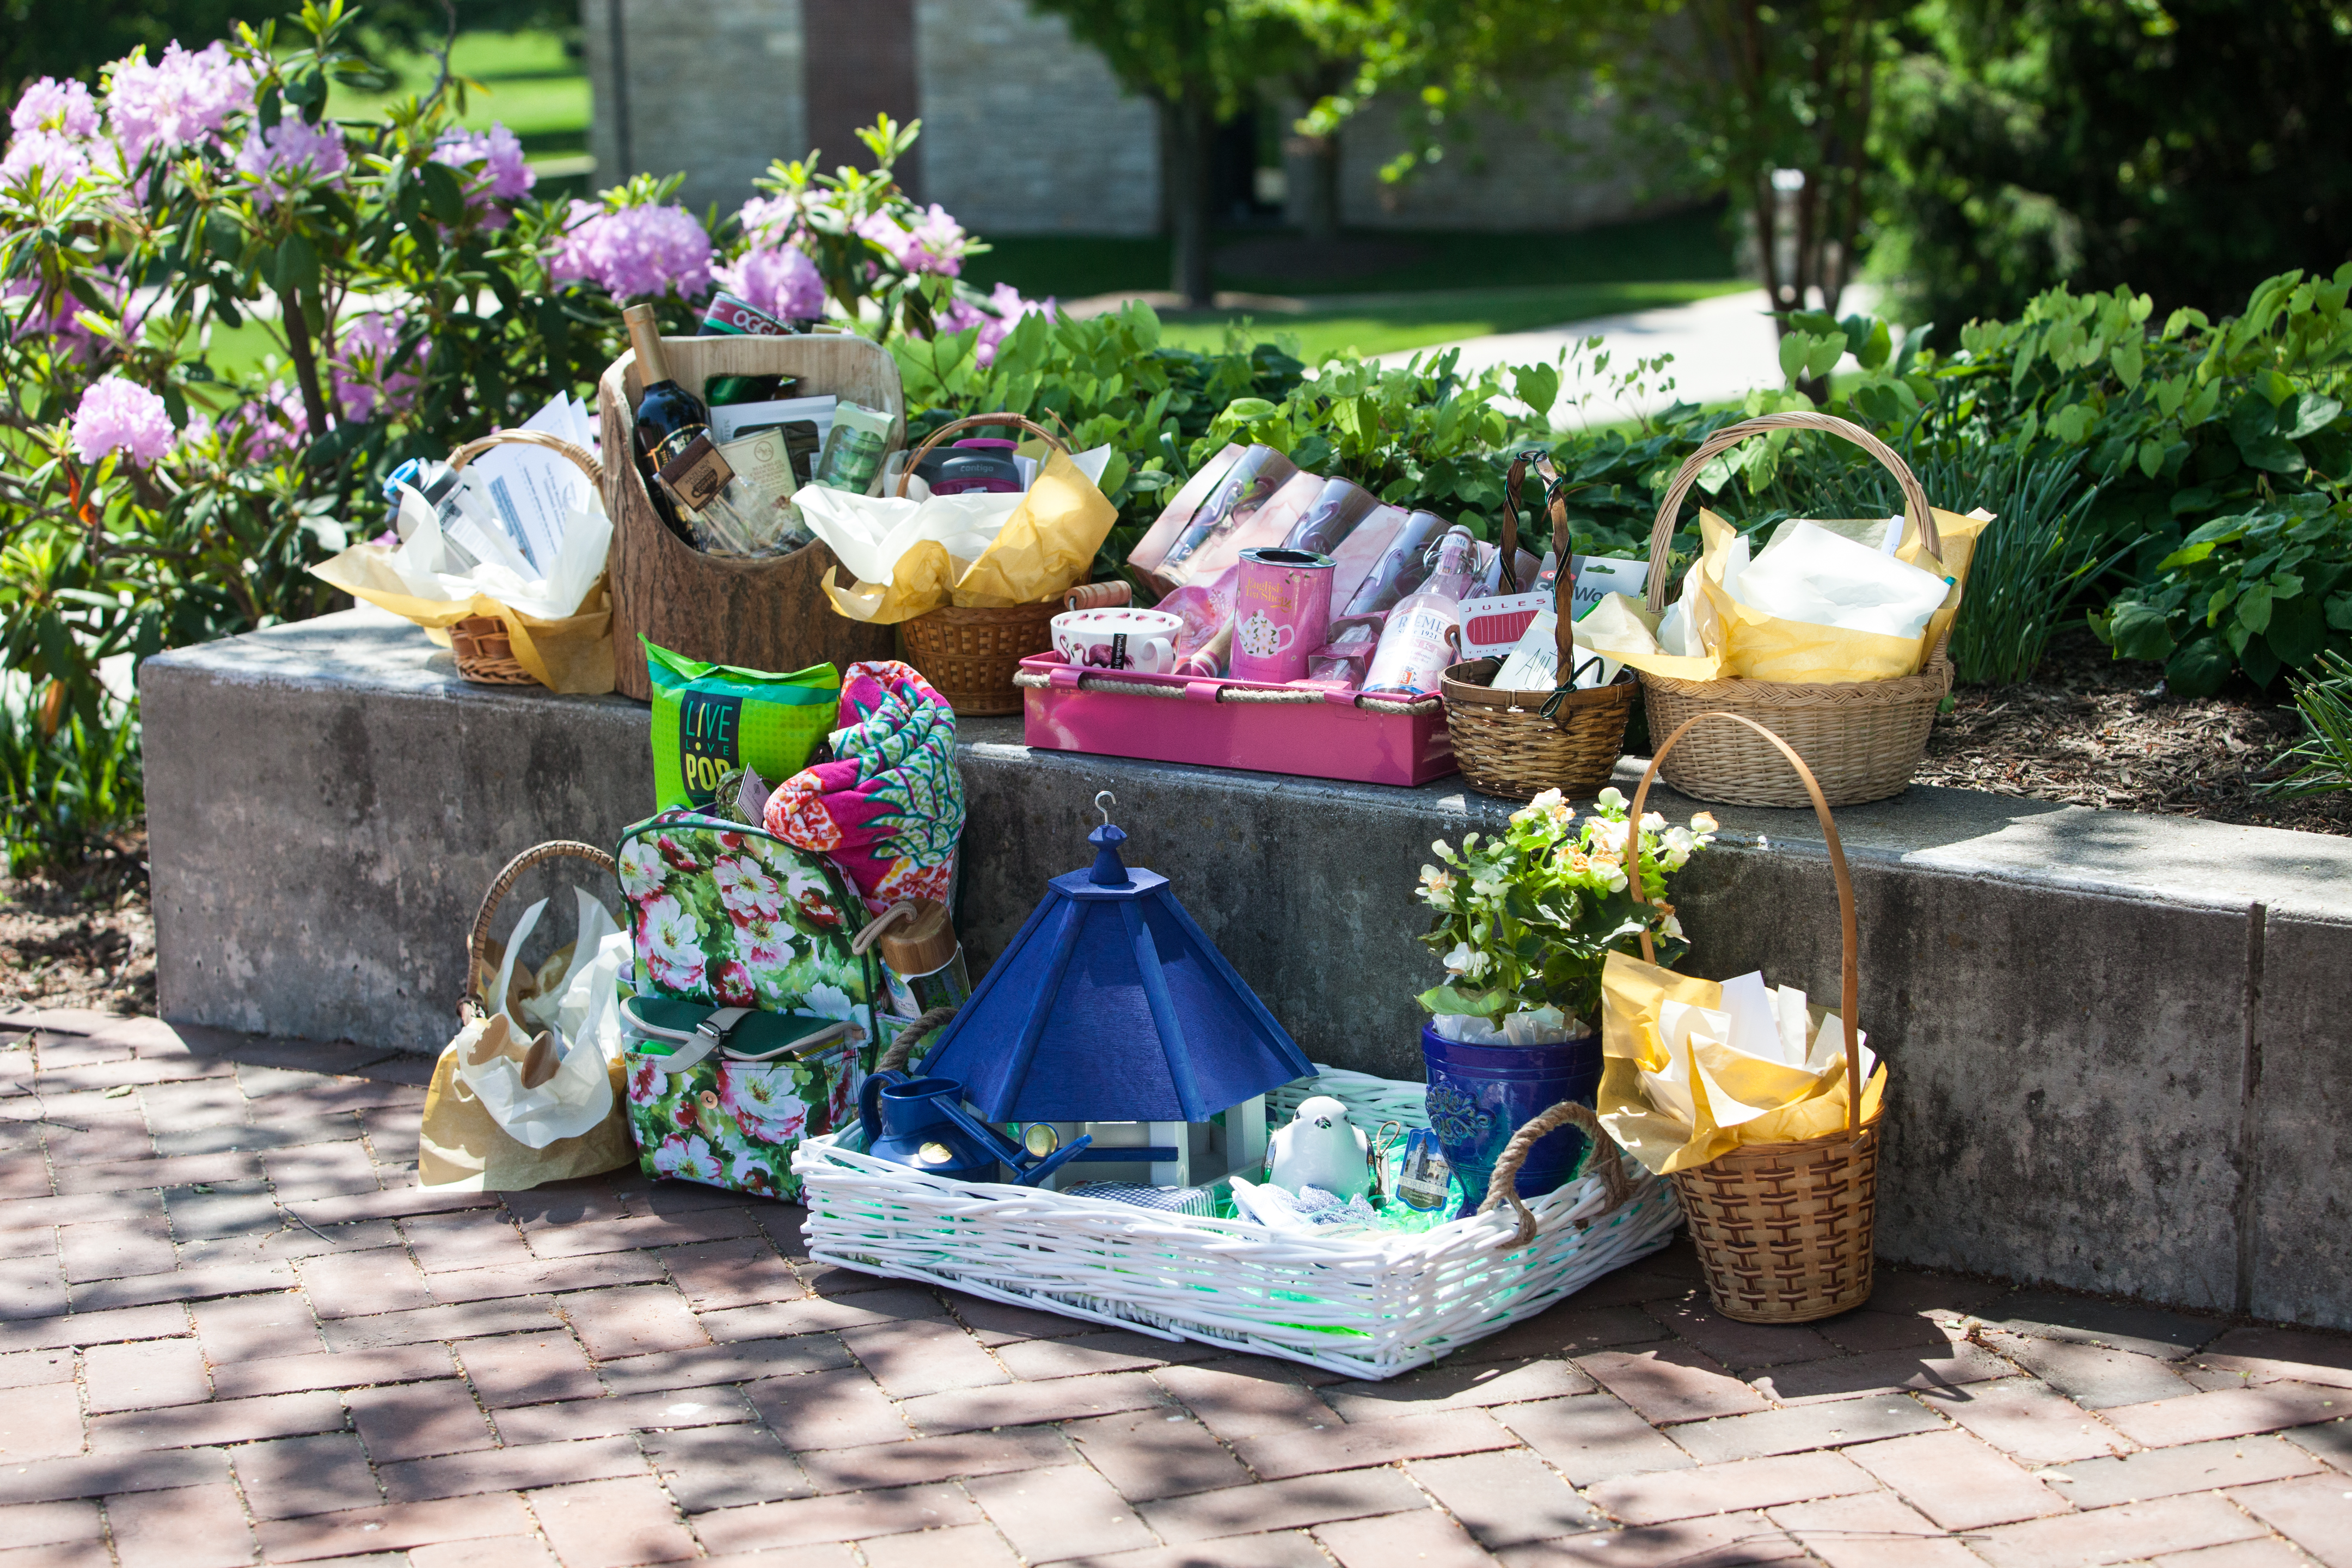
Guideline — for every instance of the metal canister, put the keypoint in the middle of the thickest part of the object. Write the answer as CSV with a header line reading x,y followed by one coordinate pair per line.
x,y
1282,606
1424,1177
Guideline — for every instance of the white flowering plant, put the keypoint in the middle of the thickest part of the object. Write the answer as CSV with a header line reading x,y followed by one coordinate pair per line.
x,y
1527,917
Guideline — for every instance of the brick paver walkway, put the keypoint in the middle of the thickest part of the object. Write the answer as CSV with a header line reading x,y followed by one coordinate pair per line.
x,y
232,1331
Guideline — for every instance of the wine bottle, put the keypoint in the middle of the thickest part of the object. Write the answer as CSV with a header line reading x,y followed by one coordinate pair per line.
x,y
670,417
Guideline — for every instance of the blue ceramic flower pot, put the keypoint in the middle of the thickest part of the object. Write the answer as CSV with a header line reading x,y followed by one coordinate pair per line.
x,y
1480,1095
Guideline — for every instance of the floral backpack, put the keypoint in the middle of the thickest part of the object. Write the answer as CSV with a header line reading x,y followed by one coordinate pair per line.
x,y
753,1025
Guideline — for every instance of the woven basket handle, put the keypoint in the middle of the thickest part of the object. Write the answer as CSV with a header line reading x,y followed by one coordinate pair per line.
x,y
1564,578
1661,534
1503,1186
580,454
477,945
1850,980
973,421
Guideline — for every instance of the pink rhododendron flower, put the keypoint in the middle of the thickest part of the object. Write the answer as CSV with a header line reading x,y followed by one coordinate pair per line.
x,y
290,154
57,159
48,104
634,251
768,220
782,281
503,175
368,379
934,245
183,98
120,416
1009,306
273,425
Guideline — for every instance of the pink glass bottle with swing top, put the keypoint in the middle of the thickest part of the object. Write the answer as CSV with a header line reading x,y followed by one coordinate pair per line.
x,y
1424,634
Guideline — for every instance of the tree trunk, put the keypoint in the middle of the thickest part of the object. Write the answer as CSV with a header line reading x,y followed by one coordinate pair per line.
x,y
1318,198
1189,139
306,363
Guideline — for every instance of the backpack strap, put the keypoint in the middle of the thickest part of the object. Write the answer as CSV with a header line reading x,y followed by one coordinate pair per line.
x,y
695,1044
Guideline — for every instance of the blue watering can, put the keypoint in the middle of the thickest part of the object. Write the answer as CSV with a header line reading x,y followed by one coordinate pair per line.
x,y
920,1122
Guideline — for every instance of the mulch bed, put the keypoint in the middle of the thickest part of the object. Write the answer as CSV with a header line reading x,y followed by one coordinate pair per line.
x,y
87,941
2095,731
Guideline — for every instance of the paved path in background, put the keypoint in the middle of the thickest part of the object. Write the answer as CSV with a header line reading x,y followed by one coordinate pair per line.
x,y
1723,348
232,1331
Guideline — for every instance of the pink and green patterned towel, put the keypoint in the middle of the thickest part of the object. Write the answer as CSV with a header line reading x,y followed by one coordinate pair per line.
x,y
889,807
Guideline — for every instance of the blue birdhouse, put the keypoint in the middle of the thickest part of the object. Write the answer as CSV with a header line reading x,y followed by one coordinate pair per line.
x,y
1113,1013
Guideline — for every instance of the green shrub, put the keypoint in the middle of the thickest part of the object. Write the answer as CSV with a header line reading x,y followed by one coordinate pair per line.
x,y
2325,701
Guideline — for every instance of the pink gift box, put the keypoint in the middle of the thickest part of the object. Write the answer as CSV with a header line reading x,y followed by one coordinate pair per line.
x,y
1203,720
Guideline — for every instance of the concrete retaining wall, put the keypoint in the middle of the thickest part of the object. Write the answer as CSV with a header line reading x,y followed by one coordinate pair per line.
x,y
2117,1040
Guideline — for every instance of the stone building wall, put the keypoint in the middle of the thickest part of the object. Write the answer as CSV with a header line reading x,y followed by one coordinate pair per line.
x,y
1024,129
1026,132
712,89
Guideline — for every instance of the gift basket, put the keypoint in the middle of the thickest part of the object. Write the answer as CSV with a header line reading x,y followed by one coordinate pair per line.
x,y
757,604
971,652
1747,1100
1111,1049
1833,645
1517,741
500,555
971,556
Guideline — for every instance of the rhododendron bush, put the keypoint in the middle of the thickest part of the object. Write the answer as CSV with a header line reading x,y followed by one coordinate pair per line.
x,y
415,293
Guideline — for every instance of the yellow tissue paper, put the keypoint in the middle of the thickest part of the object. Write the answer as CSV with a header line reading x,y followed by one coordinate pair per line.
x,y
1694,1068
1738,641
1046,545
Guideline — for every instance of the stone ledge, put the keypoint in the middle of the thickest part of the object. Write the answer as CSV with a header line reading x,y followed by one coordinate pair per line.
x,y
2117,1037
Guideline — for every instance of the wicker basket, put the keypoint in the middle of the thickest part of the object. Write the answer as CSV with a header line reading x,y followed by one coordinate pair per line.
x,y
970,655
485,652
1516,744
1360,1306
1783,1230
1864,740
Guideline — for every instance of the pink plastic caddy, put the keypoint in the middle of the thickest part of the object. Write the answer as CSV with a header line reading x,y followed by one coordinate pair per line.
x,y
1331,737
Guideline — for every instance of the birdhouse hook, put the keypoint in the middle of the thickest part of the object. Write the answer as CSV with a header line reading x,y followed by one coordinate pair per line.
x,y
1104,801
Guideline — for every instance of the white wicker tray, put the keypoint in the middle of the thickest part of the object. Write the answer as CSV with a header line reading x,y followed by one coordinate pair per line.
x,y
1362,1306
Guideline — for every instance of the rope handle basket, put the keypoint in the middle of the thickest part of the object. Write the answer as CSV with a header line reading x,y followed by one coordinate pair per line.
x,y
1662,533
485,651
1503,1186
1784,1231
971,422
478,942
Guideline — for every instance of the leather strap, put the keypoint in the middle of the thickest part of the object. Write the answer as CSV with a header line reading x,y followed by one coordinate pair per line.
x,y
696,1045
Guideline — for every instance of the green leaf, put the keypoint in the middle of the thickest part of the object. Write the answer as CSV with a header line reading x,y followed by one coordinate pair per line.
x,y
2126,359
2139,631
1823,352
1794,346
2151,457
444,193
2339,612
298,265
2255,607
2198,669
2275,454
2298,630
1869,340
2072,422
1537,386
2309,414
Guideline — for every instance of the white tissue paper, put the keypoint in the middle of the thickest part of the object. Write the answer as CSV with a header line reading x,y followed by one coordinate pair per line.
x,y
424,564
1719,1050
869,534
1808,574
586,1022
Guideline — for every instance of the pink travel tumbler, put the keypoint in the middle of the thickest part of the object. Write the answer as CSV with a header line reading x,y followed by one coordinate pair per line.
x,y
1282,608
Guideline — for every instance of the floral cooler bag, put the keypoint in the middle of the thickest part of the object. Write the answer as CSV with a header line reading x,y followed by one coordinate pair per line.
x,y
752,1027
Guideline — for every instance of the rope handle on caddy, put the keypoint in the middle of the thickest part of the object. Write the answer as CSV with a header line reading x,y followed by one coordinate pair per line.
x,y
1031,680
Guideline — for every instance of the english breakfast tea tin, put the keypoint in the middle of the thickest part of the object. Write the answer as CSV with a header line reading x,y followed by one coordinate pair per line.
x,y
1282,606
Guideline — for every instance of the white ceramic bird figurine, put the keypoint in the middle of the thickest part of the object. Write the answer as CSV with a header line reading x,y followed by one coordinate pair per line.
x,y
1320,1148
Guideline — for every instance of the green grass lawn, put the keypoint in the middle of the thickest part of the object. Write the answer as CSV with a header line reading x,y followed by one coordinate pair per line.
x,y
528,84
